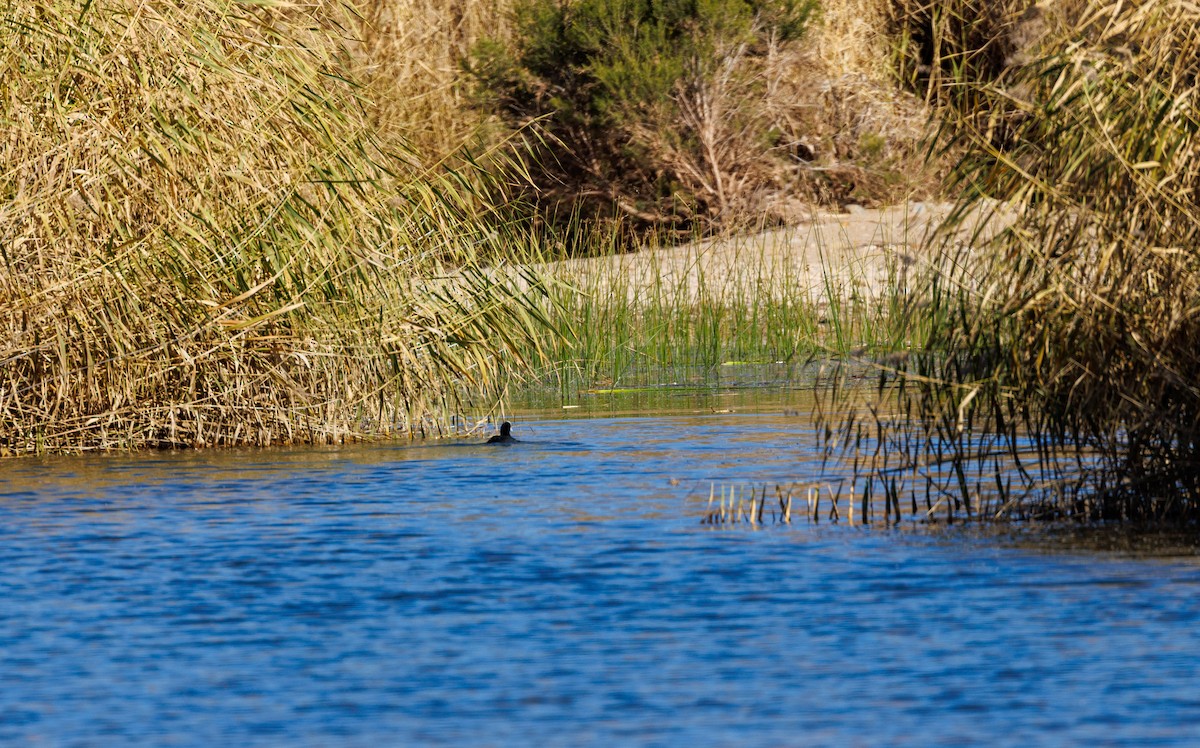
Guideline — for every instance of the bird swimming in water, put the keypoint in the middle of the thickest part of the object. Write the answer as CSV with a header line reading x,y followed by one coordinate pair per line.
x,y
505,436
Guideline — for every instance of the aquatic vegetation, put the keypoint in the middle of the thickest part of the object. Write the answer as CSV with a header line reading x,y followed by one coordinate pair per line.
x,y
672,314
1061,363
205,240
832,501
745,509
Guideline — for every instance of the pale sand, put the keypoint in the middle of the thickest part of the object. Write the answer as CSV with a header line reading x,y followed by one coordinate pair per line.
x,y
860,254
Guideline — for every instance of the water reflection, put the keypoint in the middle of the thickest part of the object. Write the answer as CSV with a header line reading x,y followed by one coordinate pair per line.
x,y
560,592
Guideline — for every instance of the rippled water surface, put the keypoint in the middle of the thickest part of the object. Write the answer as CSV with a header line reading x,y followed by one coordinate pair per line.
x,y
557,592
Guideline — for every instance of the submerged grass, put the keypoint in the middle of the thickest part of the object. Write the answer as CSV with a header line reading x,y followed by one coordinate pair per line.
x,y
205,241
812,502
749,508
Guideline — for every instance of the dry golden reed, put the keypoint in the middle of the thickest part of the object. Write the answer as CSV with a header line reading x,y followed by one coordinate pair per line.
x,y
1060,377
413,52
205,239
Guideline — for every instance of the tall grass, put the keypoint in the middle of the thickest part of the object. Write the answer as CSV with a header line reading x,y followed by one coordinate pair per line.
x,y
676,314
1061,377
205,239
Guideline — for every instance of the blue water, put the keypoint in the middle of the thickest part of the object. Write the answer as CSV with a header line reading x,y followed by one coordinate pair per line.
x,y
559,592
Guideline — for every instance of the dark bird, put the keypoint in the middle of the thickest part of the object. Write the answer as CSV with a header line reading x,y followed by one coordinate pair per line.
x,y
505,436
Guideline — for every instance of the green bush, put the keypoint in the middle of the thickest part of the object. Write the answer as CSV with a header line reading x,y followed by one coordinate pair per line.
x,y
651,110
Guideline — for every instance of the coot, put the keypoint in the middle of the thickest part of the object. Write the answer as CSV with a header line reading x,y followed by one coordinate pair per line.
x,y
505,436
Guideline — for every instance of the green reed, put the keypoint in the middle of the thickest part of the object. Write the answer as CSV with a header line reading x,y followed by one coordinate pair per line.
x,y
677,313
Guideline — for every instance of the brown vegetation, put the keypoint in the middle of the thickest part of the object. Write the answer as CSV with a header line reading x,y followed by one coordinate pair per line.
x,y
205,240
1063,361
840,131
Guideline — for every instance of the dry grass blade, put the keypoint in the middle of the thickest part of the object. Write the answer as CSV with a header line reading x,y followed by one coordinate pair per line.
x,y
1062,361
206,240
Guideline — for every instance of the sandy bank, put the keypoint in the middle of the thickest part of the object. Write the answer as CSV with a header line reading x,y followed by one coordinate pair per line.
x,y
858,254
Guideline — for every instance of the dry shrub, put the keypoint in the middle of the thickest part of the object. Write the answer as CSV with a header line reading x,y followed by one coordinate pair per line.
x,y
830,125
939,46
655,112
855,137
774,126
859,138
